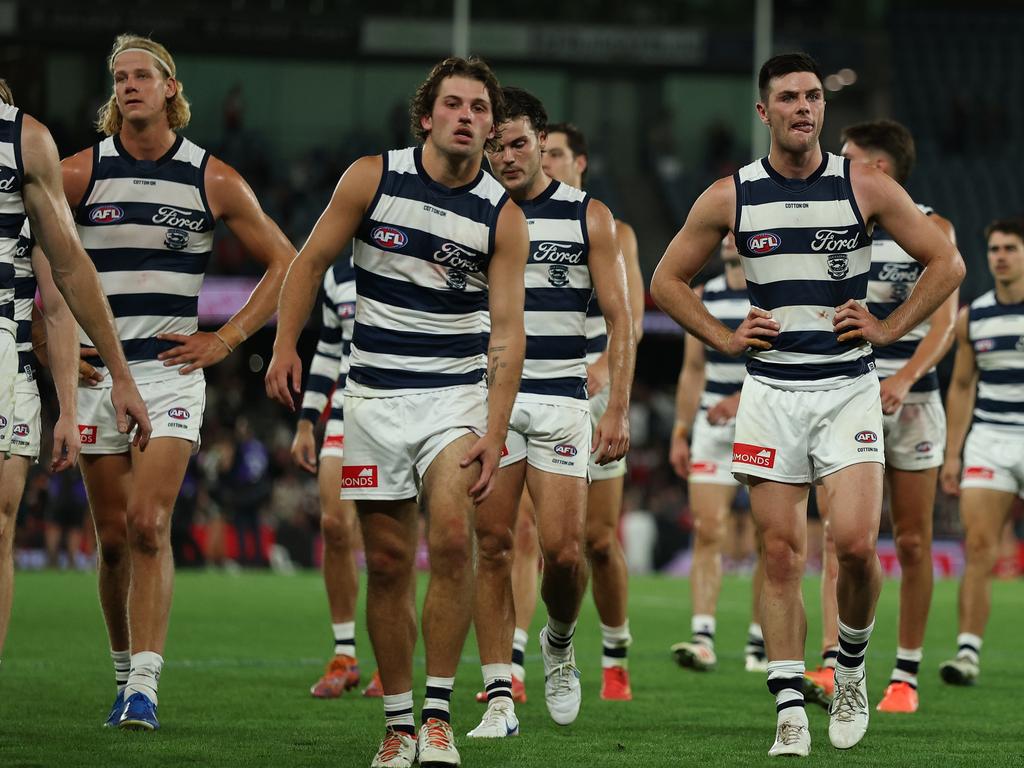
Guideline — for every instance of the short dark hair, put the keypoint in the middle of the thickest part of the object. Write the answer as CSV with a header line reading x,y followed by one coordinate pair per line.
x,y
573,137
886,136
784,64
519,102
422,103
6,96
1010,226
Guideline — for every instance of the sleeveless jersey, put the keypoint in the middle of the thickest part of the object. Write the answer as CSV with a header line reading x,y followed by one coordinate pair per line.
x,y
148,228
558,290
723,375
996,332
805,251
24,300
894,273
597,331
421,255
12,207
329,369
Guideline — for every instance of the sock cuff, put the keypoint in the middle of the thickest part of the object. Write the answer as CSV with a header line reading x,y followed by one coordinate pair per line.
x,y
520,637
754,630
786,668
853,635
440,682
147,658
616,634
496,672
702,622
396,700
561,628
344,630
909,654
123,657
966,638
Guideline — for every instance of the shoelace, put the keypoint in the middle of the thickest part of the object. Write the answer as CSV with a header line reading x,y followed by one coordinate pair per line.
x,y
789,732
391,747
495,716
438,734
848,702
564,674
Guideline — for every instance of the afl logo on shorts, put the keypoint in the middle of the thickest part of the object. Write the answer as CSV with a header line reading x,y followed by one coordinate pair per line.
x,y
176,239
364,476
565,450
3,423
179,413
21,430
389,237
867,436
764,242
923,447
105,214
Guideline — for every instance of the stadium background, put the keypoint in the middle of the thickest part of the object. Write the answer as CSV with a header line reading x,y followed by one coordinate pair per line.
x,y
291,91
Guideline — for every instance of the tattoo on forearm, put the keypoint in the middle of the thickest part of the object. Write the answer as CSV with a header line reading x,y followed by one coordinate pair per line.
x,y
495,363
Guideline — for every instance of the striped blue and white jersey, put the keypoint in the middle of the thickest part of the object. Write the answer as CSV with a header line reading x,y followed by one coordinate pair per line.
x,y
421,257
597,331
148,228
329,369
806,250
558,290
12,207
996,332
24,300
723,374
894,273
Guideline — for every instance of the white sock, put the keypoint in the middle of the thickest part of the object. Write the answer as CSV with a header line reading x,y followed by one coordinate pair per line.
x,y
122,666
145,674
969,646
703,627
344,638
498,682
785,680
519,641
614,642
559,636
853,643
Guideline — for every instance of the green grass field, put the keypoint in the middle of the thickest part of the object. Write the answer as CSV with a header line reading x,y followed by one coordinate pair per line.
x,y
243,651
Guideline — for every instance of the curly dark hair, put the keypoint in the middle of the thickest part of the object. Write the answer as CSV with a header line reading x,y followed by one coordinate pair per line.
x,y
474,68
1012,226
519,102
886,136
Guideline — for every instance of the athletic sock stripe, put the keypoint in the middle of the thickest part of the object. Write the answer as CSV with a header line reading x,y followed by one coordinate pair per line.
x,y
850,648
558,642
518,656
614,653
435,692
778,684
850,662
787,704
402,728
911,667
702,634
500,683
831,653
397,712
968,647
429,713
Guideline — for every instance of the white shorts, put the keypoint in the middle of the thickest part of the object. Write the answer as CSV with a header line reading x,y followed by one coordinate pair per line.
x,y
390,442
27,422
799,436
711,452
334,439
915,436
994,459
552,438
175,407
8,380
598,405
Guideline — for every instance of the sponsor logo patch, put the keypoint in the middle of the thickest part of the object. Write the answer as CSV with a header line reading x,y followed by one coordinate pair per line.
x,y
763,242
176,239
456,279
565,449
838,265
334,441
867,436
87,434
756,455
703,468
105,214
389,237
504,451
984,345
558,275
179,413
979,473
359,476
21,430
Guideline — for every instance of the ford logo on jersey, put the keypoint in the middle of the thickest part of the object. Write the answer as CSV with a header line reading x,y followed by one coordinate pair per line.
x,y
389,237
764,242
105,214
867,436
178,413
565,450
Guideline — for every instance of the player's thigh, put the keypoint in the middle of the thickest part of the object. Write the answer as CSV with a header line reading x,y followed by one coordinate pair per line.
x,y
912,499
710,504
328,479
604,505
560,502
983,512
157,474
12,485
107,478
496,515
780,513
390,531
854,500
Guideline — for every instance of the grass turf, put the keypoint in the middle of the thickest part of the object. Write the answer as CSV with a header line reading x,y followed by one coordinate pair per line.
x,y
243,651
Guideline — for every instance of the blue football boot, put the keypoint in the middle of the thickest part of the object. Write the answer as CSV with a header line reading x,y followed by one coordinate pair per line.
x,y
115,711
139,714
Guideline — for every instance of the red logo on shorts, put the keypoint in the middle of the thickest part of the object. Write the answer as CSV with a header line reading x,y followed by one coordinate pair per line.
x,y
87,433
979,473
867,436
565,450
21,430
359,476
757,455
703,468
334,441
504,451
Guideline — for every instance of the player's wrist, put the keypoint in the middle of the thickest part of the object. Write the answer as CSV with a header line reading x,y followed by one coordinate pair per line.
x,y
681,429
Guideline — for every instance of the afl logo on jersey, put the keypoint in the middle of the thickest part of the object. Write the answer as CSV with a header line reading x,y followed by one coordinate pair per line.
x,y
389,237
179,413
867,436
764,242
105,214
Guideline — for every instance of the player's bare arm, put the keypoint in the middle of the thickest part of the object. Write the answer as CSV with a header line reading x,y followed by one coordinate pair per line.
x,y
688,390
882,200
959,404
74,274
625,236
931,349
336,226
608,272
692,247
62,355
233,202
507,345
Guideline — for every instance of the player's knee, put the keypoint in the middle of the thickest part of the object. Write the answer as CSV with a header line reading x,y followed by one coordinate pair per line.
x,y
337,533
912,547
567,556
452,552
494,549
980,548
708,533
148,529
856,553
387,565
783,560
601,542
112,544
